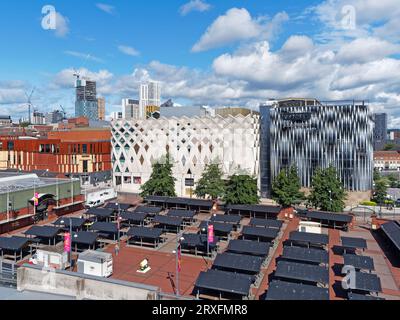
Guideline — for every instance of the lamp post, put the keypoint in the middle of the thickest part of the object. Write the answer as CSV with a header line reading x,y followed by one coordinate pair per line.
x,y
70,246
119,223
177,253
207,230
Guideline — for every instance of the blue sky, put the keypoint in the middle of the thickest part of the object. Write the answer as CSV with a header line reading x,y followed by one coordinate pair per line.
x,y
225,52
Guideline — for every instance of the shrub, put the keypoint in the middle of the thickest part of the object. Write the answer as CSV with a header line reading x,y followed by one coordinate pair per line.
x,y
369,203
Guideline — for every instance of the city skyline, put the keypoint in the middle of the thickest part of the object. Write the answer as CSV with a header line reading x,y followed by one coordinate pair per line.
x,y
303,48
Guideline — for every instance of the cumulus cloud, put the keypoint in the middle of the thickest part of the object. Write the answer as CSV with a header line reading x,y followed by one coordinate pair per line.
x,y
236,25
62,25
130,51
194,5
106,8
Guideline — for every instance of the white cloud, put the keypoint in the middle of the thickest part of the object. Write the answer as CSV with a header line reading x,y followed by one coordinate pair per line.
x,y
194,5
128,50
84,56
62,25
236,25
106,8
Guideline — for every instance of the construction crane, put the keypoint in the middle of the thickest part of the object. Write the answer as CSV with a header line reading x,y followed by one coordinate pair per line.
x,y
29,102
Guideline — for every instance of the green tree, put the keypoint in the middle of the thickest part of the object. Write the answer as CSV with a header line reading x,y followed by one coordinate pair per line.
x,y
380,193
327,192
211,183
393,180
161,182
286,188
389,146
241,189
377,175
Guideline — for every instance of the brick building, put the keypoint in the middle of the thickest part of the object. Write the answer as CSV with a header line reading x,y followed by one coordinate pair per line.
x,y
387,160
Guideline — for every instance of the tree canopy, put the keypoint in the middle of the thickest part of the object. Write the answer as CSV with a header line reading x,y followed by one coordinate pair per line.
x,y
241,189
211,183
286,187
327,192
161,182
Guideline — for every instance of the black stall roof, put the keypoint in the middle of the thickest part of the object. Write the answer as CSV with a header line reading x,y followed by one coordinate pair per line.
x,y
13,243
392,231
149,210
238,262
267,233
43,232
235,219
186,214
218,226
308,237
148,233
305,254
302,272
168,221
282,290
134,217
222,281
197,240
184,201
88,238
359,262
354,243
249,247
357,296
121,206
254,208
329,216
65,221
366,282
105,227
100,212
266,223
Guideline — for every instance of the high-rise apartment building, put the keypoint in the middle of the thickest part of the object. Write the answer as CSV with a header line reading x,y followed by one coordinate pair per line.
x,y
55,116
311,135
130,109
101,104
86,104
380,130
150,95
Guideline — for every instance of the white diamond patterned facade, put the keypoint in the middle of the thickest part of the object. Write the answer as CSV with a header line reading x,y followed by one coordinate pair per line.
x,y
312,136
191,142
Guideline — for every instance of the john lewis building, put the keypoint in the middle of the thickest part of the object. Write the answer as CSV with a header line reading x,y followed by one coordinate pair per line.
x,y
312,134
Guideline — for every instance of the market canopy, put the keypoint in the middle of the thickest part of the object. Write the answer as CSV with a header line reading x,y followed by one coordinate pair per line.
x,y
234,219
354,243
265,233
224,282
359,262
168,221
302,272
149,210
249,247
309,238
305,255
100,212
366,282
134,217
254,210
282,290
43,232
13,243
224,228
392,231
185,214
66,221
191,240
119,206
105,227
146,233
238,263
266,223
86,238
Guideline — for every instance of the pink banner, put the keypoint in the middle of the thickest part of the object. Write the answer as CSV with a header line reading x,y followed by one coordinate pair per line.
x,y
67,242
210,233
36,199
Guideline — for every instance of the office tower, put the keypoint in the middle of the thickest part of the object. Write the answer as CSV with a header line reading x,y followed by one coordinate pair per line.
x,y
311,135
86,100
55,116
101,104
150,95
380,130
130,109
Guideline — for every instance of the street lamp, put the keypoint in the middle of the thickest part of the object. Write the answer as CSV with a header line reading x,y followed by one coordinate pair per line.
x,y
177,253
75,236
119,218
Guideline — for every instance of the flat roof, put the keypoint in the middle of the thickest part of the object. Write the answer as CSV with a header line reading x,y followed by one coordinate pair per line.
x,y
282,290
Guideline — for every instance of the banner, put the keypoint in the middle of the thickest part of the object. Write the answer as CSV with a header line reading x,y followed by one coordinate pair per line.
x,y
67,242
210,233
36,199
179,258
